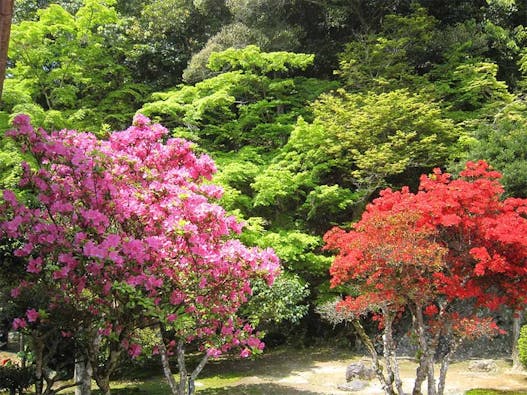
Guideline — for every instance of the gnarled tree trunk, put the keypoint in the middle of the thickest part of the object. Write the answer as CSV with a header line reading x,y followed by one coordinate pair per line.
x,y
385,382
82,376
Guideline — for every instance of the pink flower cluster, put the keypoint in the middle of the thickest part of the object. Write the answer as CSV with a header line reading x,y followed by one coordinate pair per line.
x,y
133,215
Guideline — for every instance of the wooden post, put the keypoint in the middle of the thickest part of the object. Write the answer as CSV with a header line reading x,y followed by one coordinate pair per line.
x,y
6,16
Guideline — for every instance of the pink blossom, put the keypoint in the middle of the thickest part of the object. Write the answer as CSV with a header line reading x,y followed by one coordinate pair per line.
x,y
32,315
10,197
107,287
152,282
93,250
254,342
94,268
106,330
140,120
134,350
203,282
61,273
34,265
112,241
19,323
80,237
245,353
15,292
213,352
25,250
135,280
176,297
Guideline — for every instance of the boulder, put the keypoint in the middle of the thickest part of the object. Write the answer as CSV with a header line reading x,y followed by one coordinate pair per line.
x,y
482,365
355,385
359,370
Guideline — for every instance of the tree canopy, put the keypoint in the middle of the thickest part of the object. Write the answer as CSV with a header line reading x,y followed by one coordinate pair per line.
x,y
453,241
309,109
126,234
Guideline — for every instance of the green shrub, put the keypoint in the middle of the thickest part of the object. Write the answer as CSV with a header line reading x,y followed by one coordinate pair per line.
x,y
13,377
522,345
494,392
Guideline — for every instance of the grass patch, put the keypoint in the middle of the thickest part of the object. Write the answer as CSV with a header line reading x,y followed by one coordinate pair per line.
x,y
218,381
494,392
217,384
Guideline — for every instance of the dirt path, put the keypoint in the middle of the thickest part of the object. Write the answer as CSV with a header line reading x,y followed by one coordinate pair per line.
x,y
301,374
323,378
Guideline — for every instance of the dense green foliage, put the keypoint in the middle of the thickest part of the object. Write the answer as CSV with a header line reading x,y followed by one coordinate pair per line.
x,y
309,108
67,69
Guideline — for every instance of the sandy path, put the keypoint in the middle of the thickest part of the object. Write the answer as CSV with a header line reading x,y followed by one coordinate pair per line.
x,y
322,377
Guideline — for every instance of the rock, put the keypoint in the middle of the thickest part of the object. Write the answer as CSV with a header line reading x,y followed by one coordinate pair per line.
x,y
483,365
355,385
359,370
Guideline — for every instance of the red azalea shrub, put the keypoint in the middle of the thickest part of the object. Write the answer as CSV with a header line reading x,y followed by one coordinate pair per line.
x,y
454,240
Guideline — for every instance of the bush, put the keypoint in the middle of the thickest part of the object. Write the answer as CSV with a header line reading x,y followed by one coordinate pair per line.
x,y
522,345
13,377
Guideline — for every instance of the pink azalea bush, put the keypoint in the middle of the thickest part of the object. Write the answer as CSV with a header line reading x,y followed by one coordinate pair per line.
x,y
128,227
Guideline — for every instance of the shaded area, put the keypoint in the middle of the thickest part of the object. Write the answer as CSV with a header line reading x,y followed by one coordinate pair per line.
x,y
257,389
277,363
249,389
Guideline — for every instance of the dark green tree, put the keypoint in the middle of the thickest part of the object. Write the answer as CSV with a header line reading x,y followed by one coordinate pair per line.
x,y
253,100
502,141
165,33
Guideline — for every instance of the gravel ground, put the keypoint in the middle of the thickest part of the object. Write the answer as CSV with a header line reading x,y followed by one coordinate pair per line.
x,y
301,373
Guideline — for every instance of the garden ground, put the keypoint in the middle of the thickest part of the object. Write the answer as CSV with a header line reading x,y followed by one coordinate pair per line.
x,y
315,371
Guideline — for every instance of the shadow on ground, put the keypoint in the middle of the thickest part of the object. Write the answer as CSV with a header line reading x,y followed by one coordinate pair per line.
x,y
257,389
277,364
246,389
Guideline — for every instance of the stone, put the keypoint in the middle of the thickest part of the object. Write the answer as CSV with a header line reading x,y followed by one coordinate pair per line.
x,y
359,370
482,365
355,385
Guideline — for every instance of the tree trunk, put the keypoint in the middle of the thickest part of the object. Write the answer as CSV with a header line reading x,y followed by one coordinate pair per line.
x,y
103,382
427,356
165,363
102,374
38,349
389,354
445,362
82,376
195,373
359,329
6,17
186,381
516,326
182,367
420,376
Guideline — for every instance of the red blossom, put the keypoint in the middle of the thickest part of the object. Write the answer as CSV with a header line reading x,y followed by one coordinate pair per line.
x,y
455,239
